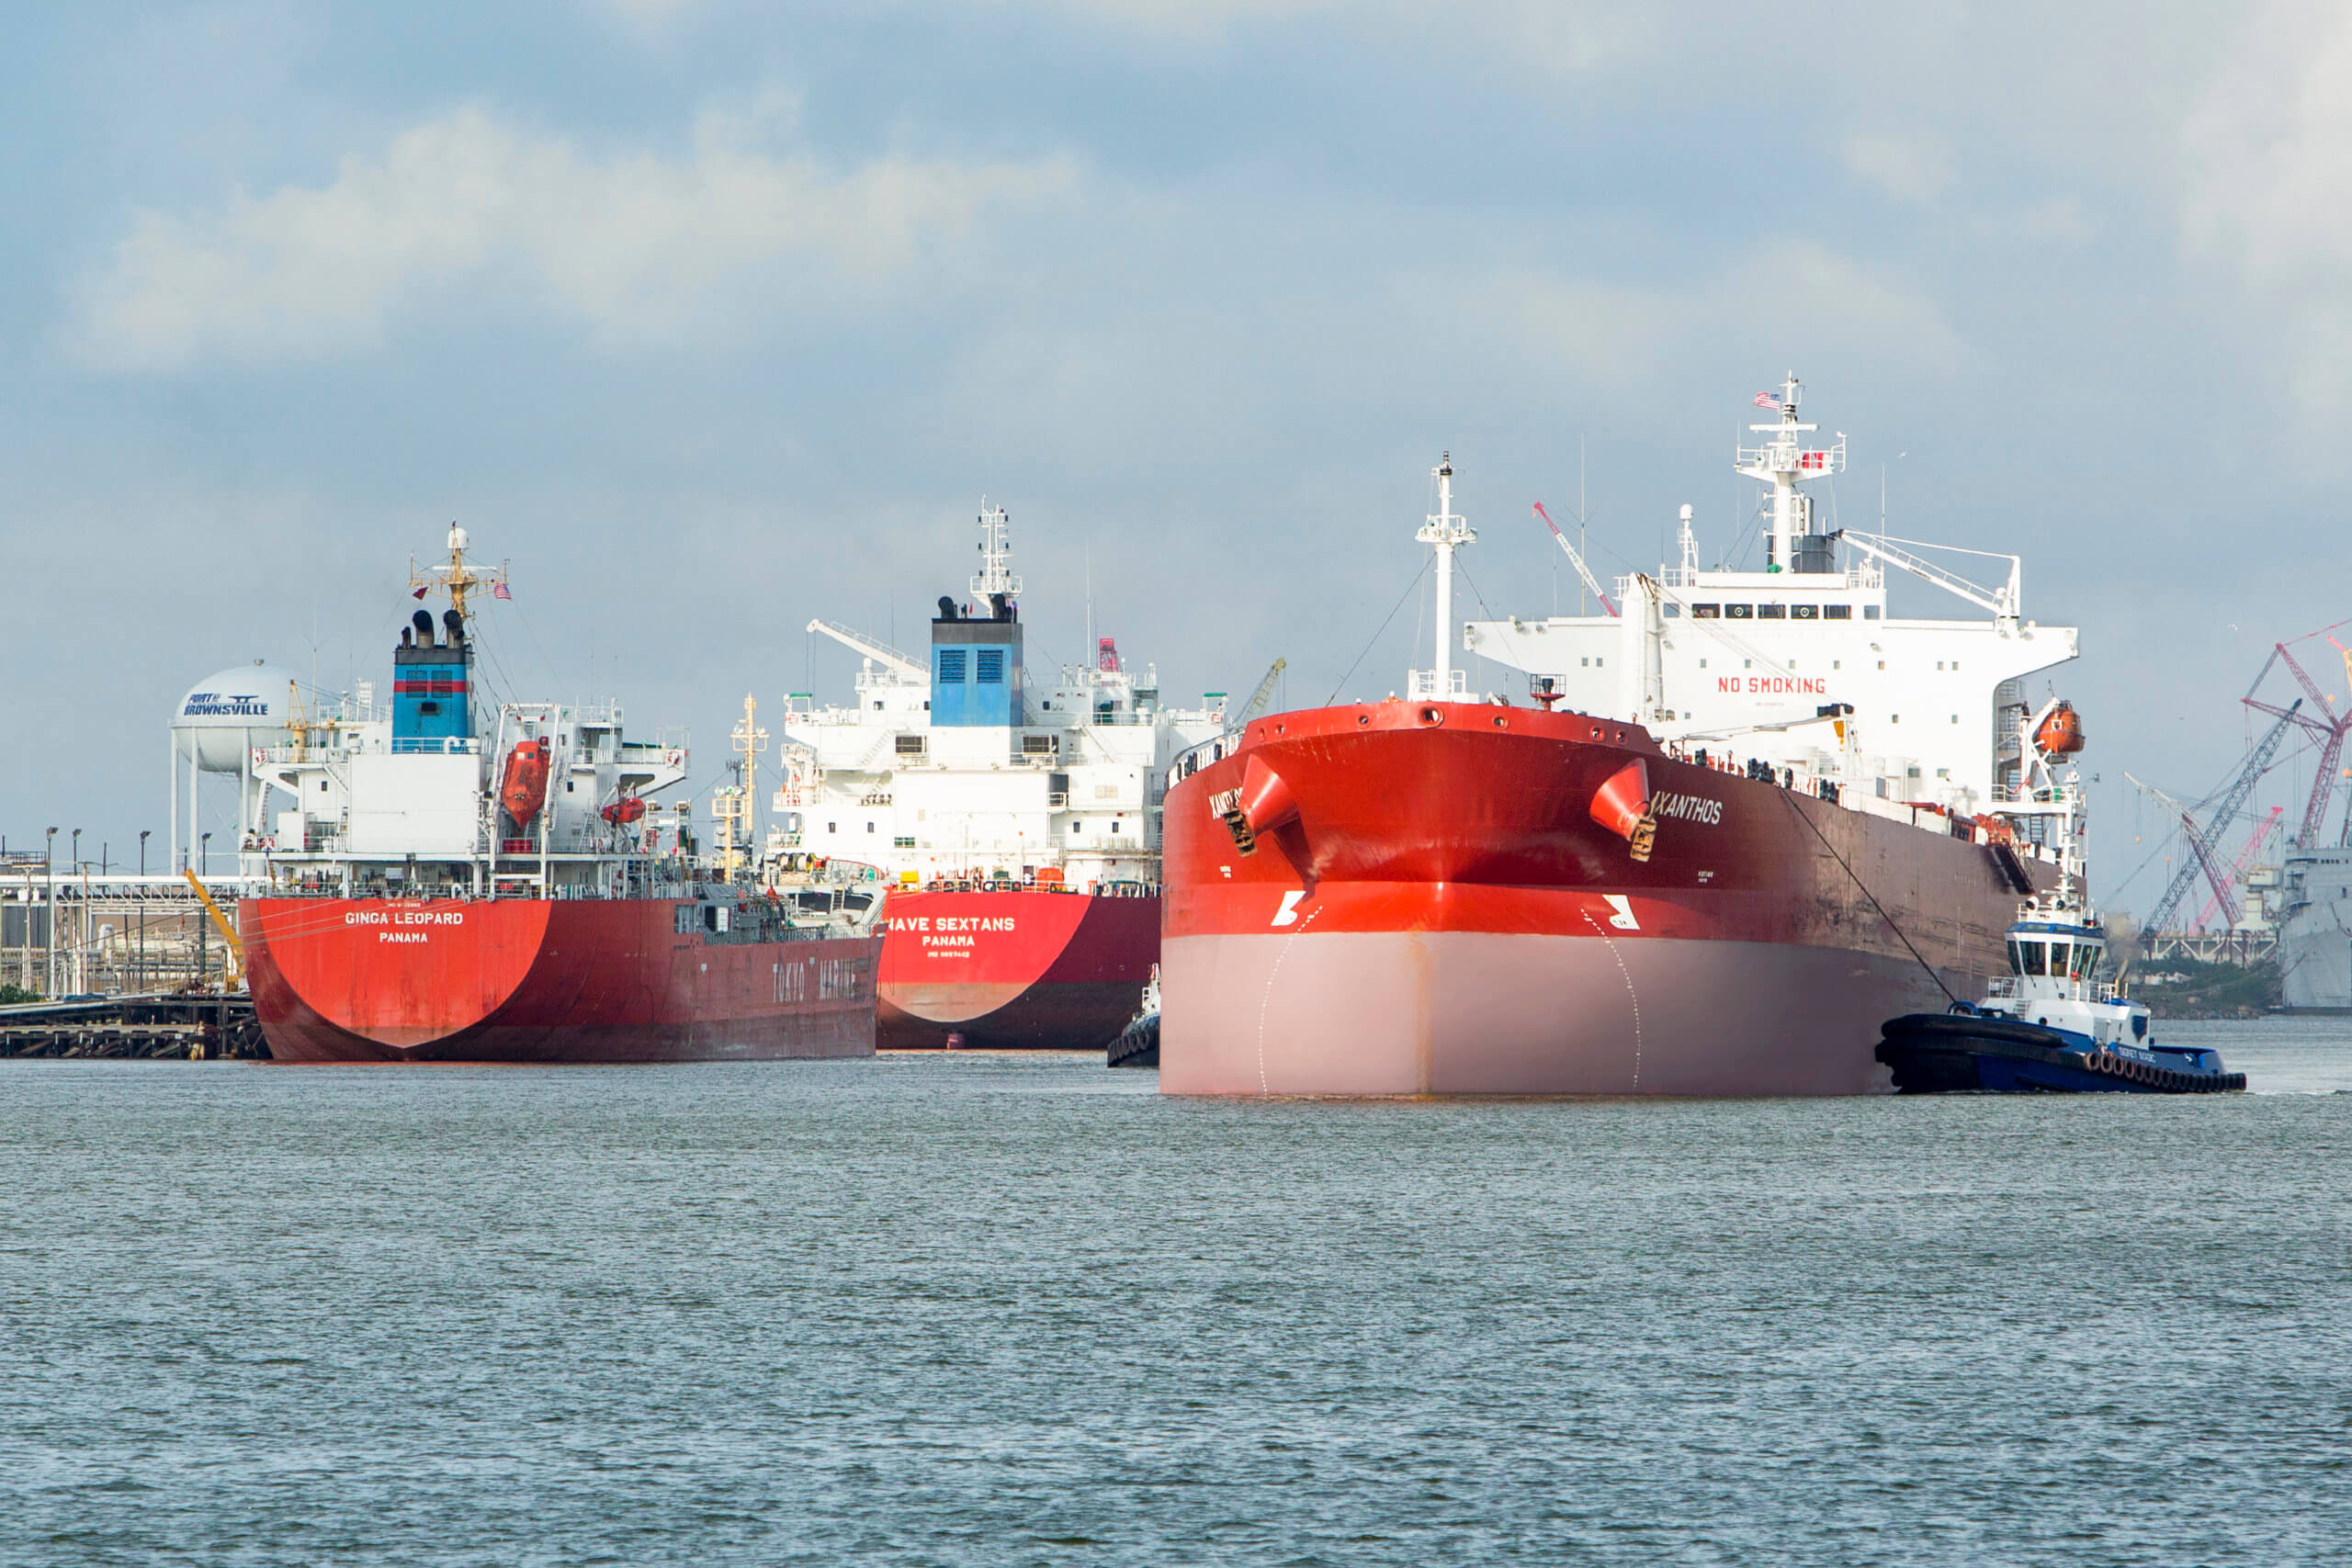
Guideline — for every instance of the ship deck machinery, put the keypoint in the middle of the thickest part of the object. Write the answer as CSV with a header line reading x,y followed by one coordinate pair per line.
x,y
1751,817
443,889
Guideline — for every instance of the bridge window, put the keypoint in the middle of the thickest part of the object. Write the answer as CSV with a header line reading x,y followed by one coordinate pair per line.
x,y
1739,612
1869,611
1836,611
1804,612
1771,612
1706,612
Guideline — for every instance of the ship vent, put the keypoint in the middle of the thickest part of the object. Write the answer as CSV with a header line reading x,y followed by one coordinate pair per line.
x,y
910,745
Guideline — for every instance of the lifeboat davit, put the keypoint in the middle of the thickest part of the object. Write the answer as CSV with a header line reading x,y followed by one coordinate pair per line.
x,y
524,787
626,809
2060,734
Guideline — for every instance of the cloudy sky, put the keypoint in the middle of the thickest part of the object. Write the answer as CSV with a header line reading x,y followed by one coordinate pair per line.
x,y
713,317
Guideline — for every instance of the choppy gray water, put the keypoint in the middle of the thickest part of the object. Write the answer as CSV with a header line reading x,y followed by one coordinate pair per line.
x,y
1000,1310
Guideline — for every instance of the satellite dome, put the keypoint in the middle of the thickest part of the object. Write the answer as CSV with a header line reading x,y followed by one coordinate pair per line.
x,y
222,716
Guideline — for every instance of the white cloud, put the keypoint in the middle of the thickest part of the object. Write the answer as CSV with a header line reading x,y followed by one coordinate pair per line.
x,y
633,245
1786,294
2267,157
1561,37
1910,168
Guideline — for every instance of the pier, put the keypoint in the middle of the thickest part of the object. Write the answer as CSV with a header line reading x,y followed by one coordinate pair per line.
x,y
193,1028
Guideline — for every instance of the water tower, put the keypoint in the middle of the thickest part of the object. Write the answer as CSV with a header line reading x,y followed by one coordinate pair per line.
x,y
217,728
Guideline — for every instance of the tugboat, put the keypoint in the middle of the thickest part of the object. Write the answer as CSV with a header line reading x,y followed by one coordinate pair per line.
x,y
1138,1043
2049,1026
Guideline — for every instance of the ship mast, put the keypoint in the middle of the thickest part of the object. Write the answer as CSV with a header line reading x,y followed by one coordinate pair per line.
x,y
1444,533
455,577
996,574
734,807
1783,461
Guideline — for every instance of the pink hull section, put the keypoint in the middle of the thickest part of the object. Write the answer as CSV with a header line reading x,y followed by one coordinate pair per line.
x,y
1477,1012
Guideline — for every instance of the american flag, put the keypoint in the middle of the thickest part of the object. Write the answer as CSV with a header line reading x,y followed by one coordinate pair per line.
x,y
1766,400
498,591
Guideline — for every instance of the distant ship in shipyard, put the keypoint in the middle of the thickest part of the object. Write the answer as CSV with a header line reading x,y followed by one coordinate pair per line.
x,y
451,882
1016,819
2316,928
1748,817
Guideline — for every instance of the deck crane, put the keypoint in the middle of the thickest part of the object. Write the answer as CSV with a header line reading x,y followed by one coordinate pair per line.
x,y
2328,729
2200,846
881,652
1576,560
1263,695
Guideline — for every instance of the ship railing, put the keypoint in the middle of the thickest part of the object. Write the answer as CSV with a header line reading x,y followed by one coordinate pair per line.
x,y
1422,685
2005,986
1194,759
435,746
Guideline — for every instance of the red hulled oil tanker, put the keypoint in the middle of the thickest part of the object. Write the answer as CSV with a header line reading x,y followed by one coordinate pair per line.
x,y
1016,818
447,890
1749,818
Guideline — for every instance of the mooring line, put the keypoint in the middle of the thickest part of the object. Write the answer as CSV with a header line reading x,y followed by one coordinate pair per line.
x,y
1882,915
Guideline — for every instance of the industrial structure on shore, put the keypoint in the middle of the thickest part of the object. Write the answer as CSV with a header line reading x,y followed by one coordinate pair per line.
x,y
2251,886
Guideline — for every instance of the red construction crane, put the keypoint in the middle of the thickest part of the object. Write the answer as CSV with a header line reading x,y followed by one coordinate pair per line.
x,y
2261,836
2325,725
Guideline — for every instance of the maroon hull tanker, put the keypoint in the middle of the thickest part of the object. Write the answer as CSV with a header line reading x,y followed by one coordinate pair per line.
x,y
1750,818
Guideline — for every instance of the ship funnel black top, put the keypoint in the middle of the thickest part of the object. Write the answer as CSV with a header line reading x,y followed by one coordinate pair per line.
x,y
453,625
432,695
947,609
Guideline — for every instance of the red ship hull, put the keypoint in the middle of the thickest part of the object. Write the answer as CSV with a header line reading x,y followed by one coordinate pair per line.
x,y
1016,968
1445,898
541,981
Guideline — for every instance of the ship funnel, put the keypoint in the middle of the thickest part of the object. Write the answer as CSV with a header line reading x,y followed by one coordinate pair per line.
x,y
946,608
423,621
453,626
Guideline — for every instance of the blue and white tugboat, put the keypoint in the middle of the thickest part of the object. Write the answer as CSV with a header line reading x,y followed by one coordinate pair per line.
x,y
2050,1026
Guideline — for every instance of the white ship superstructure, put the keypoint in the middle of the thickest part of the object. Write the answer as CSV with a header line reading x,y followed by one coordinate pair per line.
x,y
1799,666
438,794
963,768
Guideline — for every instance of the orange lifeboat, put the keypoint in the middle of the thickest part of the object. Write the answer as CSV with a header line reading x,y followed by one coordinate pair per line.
x,y
524,787
2060,734
626,809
